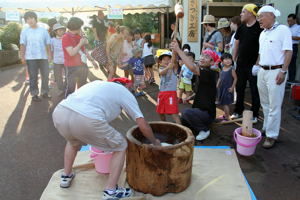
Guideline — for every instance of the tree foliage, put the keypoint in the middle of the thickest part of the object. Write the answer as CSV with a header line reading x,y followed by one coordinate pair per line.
x,y
10,34
144,22
44,20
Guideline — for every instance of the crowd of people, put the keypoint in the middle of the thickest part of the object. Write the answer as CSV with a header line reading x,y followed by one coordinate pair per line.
x,y
251,47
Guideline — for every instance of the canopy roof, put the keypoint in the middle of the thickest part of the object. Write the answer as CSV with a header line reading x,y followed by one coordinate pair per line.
x,y
75,6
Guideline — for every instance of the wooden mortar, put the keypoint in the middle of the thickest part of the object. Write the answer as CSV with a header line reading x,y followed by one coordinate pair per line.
x,y
155,169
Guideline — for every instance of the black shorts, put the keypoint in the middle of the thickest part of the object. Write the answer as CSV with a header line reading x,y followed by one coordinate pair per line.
x,y
149,61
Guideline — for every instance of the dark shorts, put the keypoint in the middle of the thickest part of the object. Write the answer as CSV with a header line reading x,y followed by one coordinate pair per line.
x,y
149,61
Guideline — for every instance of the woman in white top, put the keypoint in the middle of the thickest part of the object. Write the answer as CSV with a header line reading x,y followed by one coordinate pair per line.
x,y
148,58
235,22
126,55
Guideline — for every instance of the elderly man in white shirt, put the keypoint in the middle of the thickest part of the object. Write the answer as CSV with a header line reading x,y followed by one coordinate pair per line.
x,y
275,52
295,29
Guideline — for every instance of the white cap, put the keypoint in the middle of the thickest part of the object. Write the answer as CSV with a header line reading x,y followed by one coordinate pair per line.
x,y
165,53
269,9
58,26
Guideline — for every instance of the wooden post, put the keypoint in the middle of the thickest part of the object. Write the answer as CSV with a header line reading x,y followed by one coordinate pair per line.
x,y
162,30
247,123
158,170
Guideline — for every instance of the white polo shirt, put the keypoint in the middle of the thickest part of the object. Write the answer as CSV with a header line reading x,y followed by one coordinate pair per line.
x,y
295,29
273,43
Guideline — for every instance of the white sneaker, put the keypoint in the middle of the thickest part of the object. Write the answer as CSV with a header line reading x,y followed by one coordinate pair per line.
x,y
254,120
202,135
235,116
118,194
65,180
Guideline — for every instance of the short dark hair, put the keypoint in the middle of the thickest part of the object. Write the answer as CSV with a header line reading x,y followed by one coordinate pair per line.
x,y
30,14
130,32
236,20
137,31
191,54
100,12
148,40
51,22
186,46
74,23
292,15
226,56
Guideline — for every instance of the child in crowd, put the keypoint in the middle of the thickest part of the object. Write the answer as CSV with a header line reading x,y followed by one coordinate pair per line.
x,y
186,76
58,56
167,102
186,48
138,40
138,70
148,59
226,84
126,55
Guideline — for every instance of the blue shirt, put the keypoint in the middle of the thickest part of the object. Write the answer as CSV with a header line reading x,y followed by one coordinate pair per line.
x,y
35,41
58,53
187,75
138,66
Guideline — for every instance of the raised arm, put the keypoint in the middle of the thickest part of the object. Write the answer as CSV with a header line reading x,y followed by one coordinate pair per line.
x,y
191,65
72,51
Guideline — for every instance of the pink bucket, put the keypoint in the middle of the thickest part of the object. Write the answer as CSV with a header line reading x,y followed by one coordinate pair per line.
x,y
101,160
246,145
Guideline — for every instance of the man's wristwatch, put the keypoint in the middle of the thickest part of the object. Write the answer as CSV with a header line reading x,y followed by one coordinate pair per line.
x,y
283,71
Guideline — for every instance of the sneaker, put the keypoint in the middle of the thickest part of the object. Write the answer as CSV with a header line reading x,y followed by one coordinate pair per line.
x,y
269,143
202,135
235,116
36,98
151,80
46,96
65,181
254,120
118,194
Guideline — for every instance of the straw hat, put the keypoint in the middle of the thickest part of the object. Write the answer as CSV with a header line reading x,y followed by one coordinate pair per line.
x,y
223,23
208,19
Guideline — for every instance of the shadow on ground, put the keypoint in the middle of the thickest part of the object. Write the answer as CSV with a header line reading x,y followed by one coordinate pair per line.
x,y
31,149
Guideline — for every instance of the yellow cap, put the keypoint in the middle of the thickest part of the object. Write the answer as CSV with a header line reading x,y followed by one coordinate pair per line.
x,y
251,8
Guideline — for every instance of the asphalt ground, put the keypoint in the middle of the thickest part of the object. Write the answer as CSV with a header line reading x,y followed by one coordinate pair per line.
x,y
31,149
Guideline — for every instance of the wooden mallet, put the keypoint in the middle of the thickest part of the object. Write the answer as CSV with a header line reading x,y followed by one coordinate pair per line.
x,y
179,14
